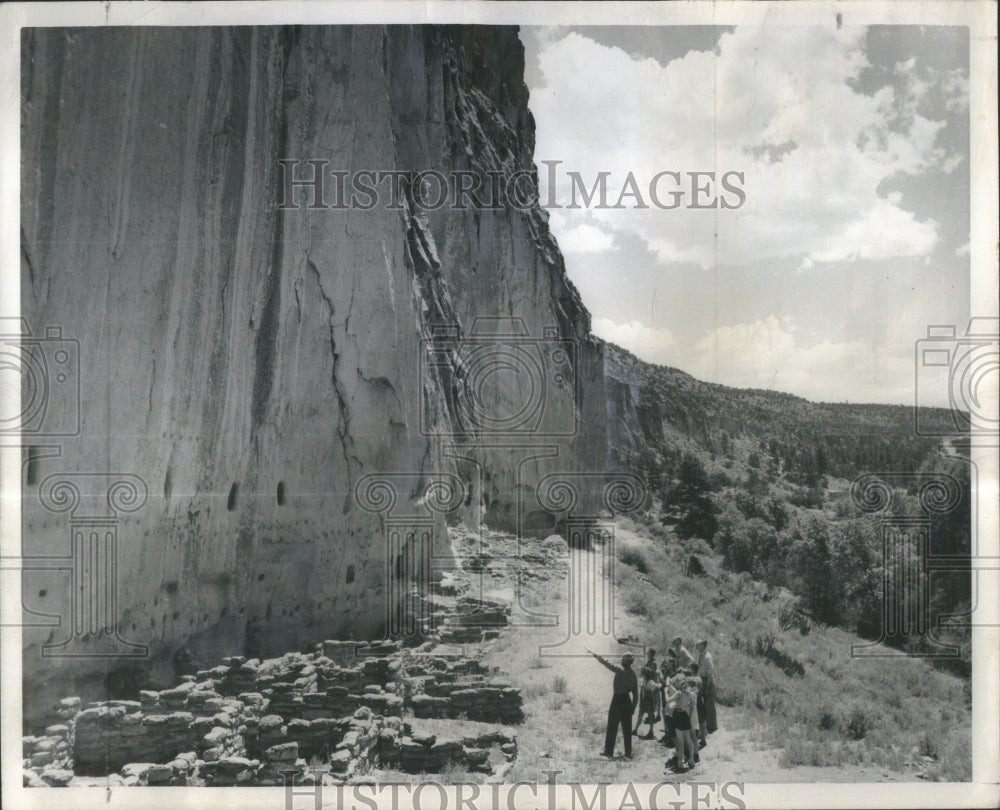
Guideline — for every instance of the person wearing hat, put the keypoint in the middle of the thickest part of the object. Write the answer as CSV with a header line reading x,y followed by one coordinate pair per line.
x,y
624,698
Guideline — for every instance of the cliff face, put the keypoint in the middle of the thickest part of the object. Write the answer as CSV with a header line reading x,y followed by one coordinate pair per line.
x,y
248,366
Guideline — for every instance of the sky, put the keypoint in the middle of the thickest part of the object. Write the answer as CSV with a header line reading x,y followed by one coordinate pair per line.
x,y
853,238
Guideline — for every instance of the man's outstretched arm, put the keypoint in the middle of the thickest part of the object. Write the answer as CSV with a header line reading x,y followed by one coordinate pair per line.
x,y
604,661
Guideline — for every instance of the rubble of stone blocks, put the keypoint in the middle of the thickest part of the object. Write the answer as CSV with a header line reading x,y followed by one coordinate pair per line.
x,y
413,751
461,619
491,701
471,621
48,758
253,722
506,559
438,687
111,734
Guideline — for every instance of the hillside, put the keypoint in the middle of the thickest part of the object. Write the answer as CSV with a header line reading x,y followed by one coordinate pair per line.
x,y
767,481
654,410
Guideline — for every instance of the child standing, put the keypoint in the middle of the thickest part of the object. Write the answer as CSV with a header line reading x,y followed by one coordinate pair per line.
x,y
682,702
648,692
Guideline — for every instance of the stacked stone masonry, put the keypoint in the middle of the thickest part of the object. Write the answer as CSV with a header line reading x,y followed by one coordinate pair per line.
x,y
253,722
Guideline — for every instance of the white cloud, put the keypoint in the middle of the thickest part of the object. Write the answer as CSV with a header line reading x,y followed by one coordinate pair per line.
x,y
955,85
886,231
653,344
770,354
585,238
775,104
767,354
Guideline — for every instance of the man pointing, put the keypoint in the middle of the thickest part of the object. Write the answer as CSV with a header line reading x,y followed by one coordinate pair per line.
x,y
623,702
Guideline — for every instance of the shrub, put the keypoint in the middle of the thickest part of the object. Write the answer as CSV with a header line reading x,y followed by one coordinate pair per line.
x,y
557,701
954,758
559,684
787,617
927,746
695,568
635,558
857,725
807,497
636,603
742,611
763,646
786,663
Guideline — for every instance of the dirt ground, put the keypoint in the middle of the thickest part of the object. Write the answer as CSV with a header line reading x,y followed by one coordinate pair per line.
x,y
567,694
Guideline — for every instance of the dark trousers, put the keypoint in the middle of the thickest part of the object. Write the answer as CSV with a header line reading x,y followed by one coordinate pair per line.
x,y
619,714
700,707
708,692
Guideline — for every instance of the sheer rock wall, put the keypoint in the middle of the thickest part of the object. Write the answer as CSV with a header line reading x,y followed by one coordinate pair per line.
x,y
250,365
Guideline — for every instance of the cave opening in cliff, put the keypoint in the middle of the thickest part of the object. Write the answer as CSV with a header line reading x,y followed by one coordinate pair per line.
x,y
31,473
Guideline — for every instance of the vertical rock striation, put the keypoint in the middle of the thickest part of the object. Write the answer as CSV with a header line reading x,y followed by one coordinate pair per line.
x,y
252,364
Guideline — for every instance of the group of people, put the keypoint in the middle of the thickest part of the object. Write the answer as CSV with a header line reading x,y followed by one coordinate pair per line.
x,y
680,690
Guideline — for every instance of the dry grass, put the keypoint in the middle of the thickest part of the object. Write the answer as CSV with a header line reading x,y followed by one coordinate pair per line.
x,y
882,712
885,711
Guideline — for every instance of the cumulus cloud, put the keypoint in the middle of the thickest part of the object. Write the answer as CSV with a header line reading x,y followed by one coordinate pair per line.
x,y
585,238
653,344
767,354
780,105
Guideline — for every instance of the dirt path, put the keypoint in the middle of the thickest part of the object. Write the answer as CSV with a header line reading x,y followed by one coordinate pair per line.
x,y
567,694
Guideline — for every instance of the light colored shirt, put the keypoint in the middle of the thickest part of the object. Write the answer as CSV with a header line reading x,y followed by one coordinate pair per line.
x,y
681,700
706,667
684,658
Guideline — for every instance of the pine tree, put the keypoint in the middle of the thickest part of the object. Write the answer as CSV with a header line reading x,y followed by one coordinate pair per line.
x,y
687,503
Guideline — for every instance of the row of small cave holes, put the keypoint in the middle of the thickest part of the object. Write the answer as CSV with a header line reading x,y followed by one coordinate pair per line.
x,y
31,479
234,492
230,506
171,588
